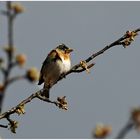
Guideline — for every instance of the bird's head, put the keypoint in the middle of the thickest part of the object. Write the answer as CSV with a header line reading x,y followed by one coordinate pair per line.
x,y
63,48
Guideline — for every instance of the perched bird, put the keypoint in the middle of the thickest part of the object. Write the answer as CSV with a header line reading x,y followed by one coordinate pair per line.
x,y
56,64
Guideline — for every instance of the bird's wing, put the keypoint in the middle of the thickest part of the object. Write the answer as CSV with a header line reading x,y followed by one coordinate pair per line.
x,y
52,57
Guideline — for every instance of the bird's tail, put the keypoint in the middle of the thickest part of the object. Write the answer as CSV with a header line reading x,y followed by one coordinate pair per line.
x,y
1,100
46,91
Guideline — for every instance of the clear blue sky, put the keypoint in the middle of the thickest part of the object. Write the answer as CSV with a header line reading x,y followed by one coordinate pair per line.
x,y
105,95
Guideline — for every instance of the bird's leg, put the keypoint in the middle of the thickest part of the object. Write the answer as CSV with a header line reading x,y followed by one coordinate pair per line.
x,y
62,75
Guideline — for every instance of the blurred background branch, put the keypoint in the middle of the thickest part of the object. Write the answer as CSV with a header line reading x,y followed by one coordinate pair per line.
x,y
9,52
125,41
128,127
11,12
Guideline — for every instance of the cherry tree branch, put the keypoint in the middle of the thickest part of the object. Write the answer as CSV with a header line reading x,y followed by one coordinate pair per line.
x,y
125,41
29,99
133,123
10,13
61,102
9,52
3,126
120,41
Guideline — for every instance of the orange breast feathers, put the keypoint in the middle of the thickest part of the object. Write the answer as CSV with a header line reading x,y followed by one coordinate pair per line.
x,y
64,56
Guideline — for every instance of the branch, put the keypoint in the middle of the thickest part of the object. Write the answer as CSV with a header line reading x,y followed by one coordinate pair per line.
x,y
133,123
11,12
37,95
3,126
9,51
10,18
125,40
121,41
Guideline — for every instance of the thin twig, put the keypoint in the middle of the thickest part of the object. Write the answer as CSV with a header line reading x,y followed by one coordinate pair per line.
x,y
115,43
82,69
74,69
78,68
3,126
27,100
7,71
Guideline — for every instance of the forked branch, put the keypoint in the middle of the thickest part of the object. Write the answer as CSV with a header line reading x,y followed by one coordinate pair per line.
x,y
125,41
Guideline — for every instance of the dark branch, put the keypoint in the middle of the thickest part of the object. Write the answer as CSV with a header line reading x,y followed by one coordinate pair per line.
x,y
3,126
61,102
10,54
37,95
75,69
82,69
115,43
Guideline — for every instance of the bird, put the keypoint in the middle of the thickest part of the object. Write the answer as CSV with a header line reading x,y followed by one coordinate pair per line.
x,y
56,64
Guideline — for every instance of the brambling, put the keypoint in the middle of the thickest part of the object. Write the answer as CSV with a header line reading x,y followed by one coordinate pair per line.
x,y
56,64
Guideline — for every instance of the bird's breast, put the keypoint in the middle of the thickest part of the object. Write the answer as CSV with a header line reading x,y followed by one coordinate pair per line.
x,y
66,65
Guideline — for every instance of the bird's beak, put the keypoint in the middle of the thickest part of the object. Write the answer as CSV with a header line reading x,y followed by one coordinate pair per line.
x,y
69,50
